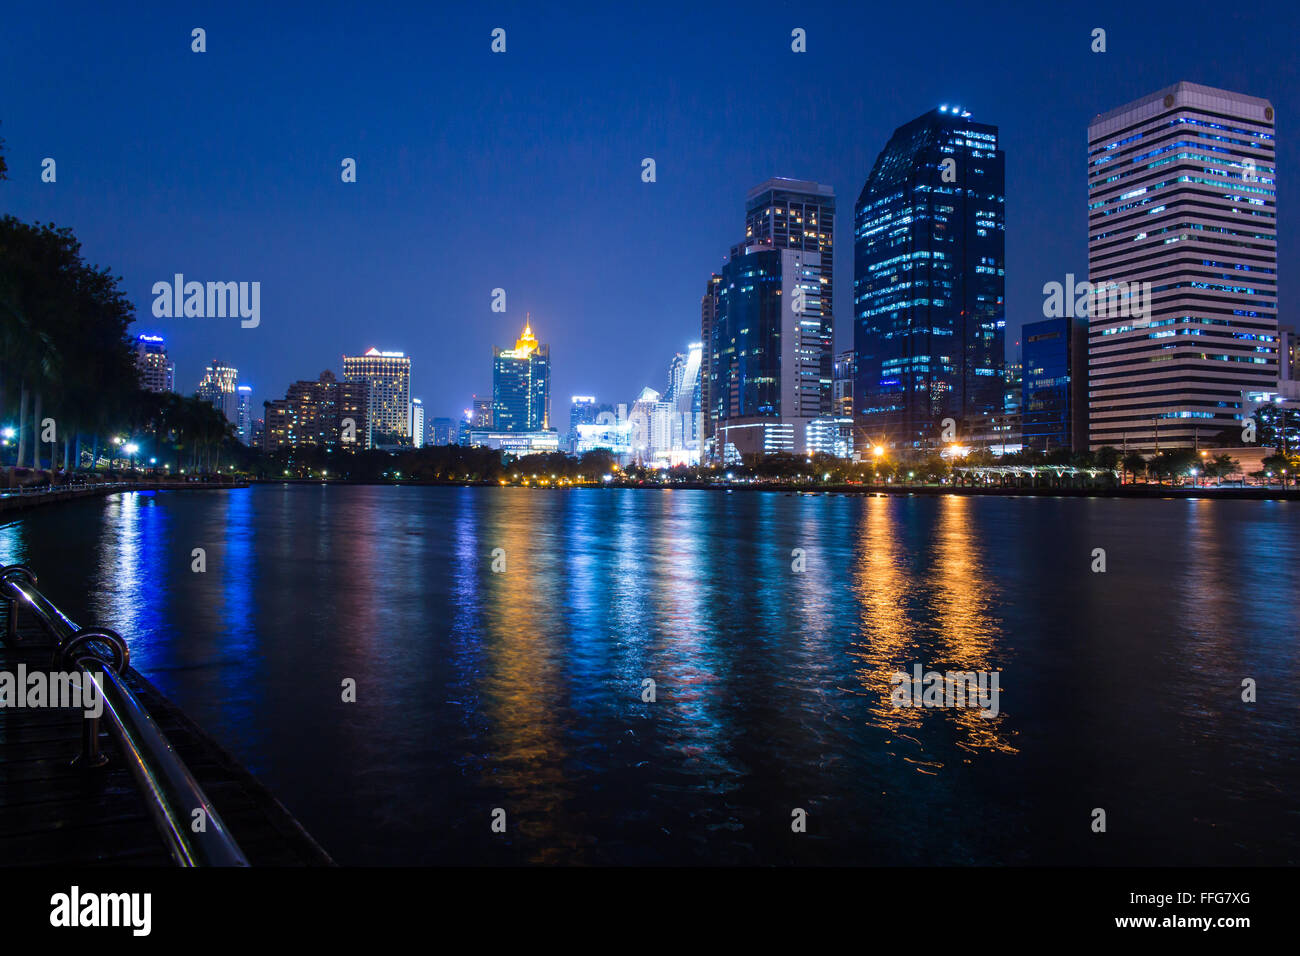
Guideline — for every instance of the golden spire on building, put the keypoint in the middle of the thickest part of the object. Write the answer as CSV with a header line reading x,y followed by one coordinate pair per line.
x,y
527,342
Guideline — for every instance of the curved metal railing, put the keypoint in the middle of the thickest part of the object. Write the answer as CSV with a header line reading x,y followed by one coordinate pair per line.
x,y
172,794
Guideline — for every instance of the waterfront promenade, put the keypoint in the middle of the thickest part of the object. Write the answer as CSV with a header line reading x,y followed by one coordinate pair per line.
x,y
57,808
22,499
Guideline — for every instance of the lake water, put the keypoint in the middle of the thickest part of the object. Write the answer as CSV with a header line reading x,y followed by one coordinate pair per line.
x,y
522,690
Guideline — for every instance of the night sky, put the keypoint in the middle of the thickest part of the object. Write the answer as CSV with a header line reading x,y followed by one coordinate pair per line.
x,y
523,170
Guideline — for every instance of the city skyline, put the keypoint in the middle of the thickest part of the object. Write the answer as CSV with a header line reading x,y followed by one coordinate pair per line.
x,y
222,216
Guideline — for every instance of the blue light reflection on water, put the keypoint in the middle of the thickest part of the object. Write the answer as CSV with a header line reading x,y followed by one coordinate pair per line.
x,y
523,689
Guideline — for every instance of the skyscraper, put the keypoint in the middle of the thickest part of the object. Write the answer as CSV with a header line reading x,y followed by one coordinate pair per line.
x,y
767,343
217,388
708,368
244,413
157,372
929,327
797,214
1182,211
387,376
521,386
417,423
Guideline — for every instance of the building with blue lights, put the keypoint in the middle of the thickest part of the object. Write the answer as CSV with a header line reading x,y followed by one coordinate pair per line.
x,y
1054,393
521,386
929,326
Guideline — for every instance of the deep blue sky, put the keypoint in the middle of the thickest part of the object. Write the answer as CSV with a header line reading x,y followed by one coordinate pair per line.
x,y
522,170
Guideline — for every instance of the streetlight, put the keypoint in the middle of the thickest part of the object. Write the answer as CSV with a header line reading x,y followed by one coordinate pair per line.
x,y
131,448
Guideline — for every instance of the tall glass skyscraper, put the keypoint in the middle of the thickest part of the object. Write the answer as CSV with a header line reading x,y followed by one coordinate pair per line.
x,y
797,214
929,325
521,385
1181,196
766,375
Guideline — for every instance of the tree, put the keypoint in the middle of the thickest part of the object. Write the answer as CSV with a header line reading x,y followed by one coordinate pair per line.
x,y
1134,464
64,351
1107,457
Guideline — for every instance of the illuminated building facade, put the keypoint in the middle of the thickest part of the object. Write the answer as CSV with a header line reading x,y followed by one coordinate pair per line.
x,y
1181,195
831,436
1054,394
387,377
708,367
217,388
244,413
157,372
842,386
521,386
584,410
324,412
417,423
929,327
442,431
797,214
767,346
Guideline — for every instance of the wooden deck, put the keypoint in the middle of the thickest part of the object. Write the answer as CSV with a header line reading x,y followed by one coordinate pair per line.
x,y
52,812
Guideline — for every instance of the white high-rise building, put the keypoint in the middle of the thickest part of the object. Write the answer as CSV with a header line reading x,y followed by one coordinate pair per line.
x,y
217,388
417,423
388,376
157,372
1182,256
244,413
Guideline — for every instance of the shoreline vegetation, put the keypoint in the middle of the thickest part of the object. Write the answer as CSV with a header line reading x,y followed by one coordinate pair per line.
x,y
1140,491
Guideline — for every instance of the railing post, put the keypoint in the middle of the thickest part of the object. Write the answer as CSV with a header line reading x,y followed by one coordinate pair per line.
x,y
90,755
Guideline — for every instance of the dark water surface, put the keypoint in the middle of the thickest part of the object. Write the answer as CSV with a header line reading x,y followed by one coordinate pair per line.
x,y
522,690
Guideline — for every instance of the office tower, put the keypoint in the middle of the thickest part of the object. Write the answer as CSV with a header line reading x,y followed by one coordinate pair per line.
x,y
928,282
417,423
481,414
685,396
842,386
767,339
831,435
708,316
1182,258
217,388
521,386
322,412
442,431
582,411
244,413
259,433
651,418
1053,402
157,373
796,214
387,377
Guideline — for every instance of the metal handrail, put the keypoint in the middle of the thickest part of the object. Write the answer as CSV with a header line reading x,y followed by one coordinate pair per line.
x,y
170,790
